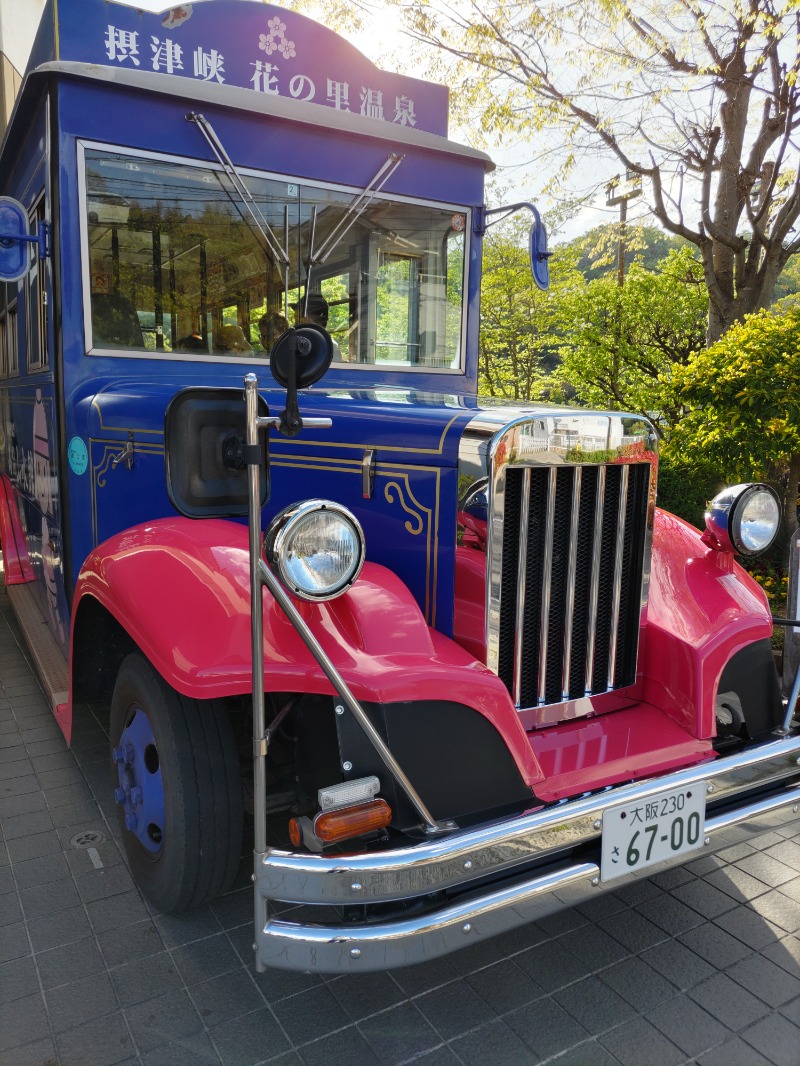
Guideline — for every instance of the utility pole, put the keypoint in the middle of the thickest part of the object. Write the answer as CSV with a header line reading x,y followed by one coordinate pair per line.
x,y
619,192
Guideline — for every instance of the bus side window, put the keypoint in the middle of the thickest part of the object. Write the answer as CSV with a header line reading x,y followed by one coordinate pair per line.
x,y
37,300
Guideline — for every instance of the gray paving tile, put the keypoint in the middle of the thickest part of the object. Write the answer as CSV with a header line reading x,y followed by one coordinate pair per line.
x,y
728,1002
750,927
81,1001
687,1025
73,815
46,747
83,860
733,1053
18,786
546,1028
766,869
53,761
20,1020
26,804
454,1009
59,966
365,994
633,930
13,754
704,898
204,959
23,825
10,909
638,983
785,954
13,770
504,986
493,1043
715,945
190,1051
33,846
678,963
780,909
765,980
63,927
39,1053
776,1038
40,871
102,883
68,775
316,1012
68,795
14,942
670,914
7,880
787,852
131,942
116,912
18,979
178,929
103,1042
49,898
551,965
162,1020
145,978
628,1041
396,1034
344,1048
594,1005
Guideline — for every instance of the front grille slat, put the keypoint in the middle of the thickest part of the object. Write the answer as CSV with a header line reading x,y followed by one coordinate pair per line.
x,y
573,553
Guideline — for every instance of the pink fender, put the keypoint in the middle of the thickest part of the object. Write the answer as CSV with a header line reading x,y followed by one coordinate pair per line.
x,y
17,567
180,588
703,607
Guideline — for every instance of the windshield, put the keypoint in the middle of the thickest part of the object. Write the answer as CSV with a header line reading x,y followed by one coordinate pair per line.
x,y
176,266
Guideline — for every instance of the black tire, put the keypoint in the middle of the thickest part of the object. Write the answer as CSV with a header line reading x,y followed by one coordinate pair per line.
x,y
198,856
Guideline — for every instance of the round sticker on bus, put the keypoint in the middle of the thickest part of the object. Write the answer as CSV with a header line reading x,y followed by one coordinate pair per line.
x,y
78,455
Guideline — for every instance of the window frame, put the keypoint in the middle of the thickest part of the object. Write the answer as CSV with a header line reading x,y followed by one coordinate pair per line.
x,y
82,145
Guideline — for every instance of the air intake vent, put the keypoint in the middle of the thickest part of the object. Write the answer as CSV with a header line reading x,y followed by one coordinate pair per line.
x,y
573,548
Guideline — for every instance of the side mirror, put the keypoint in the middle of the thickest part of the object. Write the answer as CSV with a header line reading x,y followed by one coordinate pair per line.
x,y
299,359
204,441
14,251
537,245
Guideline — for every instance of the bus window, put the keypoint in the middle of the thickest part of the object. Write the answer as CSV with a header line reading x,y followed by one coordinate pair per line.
x,y
36,300
175,266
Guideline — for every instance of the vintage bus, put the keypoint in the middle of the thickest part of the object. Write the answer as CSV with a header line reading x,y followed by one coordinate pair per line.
x,y
445,660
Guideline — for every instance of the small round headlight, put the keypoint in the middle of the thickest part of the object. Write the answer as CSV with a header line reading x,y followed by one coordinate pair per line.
x,y
317,549
744,519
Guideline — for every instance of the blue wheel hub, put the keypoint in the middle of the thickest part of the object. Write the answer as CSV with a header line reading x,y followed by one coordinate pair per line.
x,y
140,792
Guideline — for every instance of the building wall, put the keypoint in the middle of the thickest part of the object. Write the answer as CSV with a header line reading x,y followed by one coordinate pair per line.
x,y
19,20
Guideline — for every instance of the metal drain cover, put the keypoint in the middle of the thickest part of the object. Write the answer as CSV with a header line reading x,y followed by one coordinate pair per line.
x,y
89,839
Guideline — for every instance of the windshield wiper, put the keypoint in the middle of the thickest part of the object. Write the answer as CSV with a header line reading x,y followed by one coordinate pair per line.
x,y
237,181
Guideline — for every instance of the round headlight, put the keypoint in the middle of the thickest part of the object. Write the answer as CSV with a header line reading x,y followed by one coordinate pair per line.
x,y
744,519
317,549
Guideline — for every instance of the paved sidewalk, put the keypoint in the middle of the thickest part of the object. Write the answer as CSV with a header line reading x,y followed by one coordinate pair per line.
x,y
700,964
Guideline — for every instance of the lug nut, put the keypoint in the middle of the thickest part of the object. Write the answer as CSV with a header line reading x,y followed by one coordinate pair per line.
x,y
136,796
118,755
119,795
130,822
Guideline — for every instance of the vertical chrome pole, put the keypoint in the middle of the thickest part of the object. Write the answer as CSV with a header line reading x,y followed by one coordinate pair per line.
x,y
256,620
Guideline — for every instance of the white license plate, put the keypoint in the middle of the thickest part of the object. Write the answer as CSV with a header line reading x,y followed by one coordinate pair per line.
x,y
645,832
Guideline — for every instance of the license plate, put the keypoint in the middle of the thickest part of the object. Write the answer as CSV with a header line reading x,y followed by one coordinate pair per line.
x,y
645,832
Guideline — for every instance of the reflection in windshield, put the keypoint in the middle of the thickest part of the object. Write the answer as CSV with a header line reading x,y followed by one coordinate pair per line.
x,y
176,267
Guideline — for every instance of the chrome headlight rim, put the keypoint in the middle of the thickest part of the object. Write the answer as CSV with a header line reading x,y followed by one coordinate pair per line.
x,y
724,518
283,527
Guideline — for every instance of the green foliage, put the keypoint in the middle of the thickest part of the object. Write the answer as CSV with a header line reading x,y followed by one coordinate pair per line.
x,y
620,344
685,488
741,399
519,323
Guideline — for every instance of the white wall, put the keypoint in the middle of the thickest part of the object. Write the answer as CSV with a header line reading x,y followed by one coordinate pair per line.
x,y
19,20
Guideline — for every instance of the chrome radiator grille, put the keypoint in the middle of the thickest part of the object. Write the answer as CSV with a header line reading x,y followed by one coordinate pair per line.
x,y
570,579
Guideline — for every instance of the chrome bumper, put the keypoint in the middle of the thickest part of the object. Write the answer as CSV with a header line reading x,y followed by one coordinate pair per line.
x,y
493,852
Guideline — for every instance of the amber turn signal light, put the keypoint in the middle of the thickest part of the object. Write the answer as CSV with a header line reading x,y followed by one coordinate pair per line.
x,y
347,822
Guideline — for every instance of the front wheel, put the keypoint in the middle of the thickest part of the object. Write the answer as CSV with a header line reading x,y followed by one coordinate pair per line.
x,y
178,789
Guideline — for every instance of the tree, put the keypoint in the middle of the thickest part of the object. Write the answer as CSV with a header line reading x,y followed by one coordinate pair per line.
x,y
518,337
742,401
696,97
621,343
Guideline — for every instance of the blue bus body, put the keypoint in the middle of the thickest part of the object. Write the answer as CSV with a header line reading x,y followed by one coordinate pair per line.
x,y
220,184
